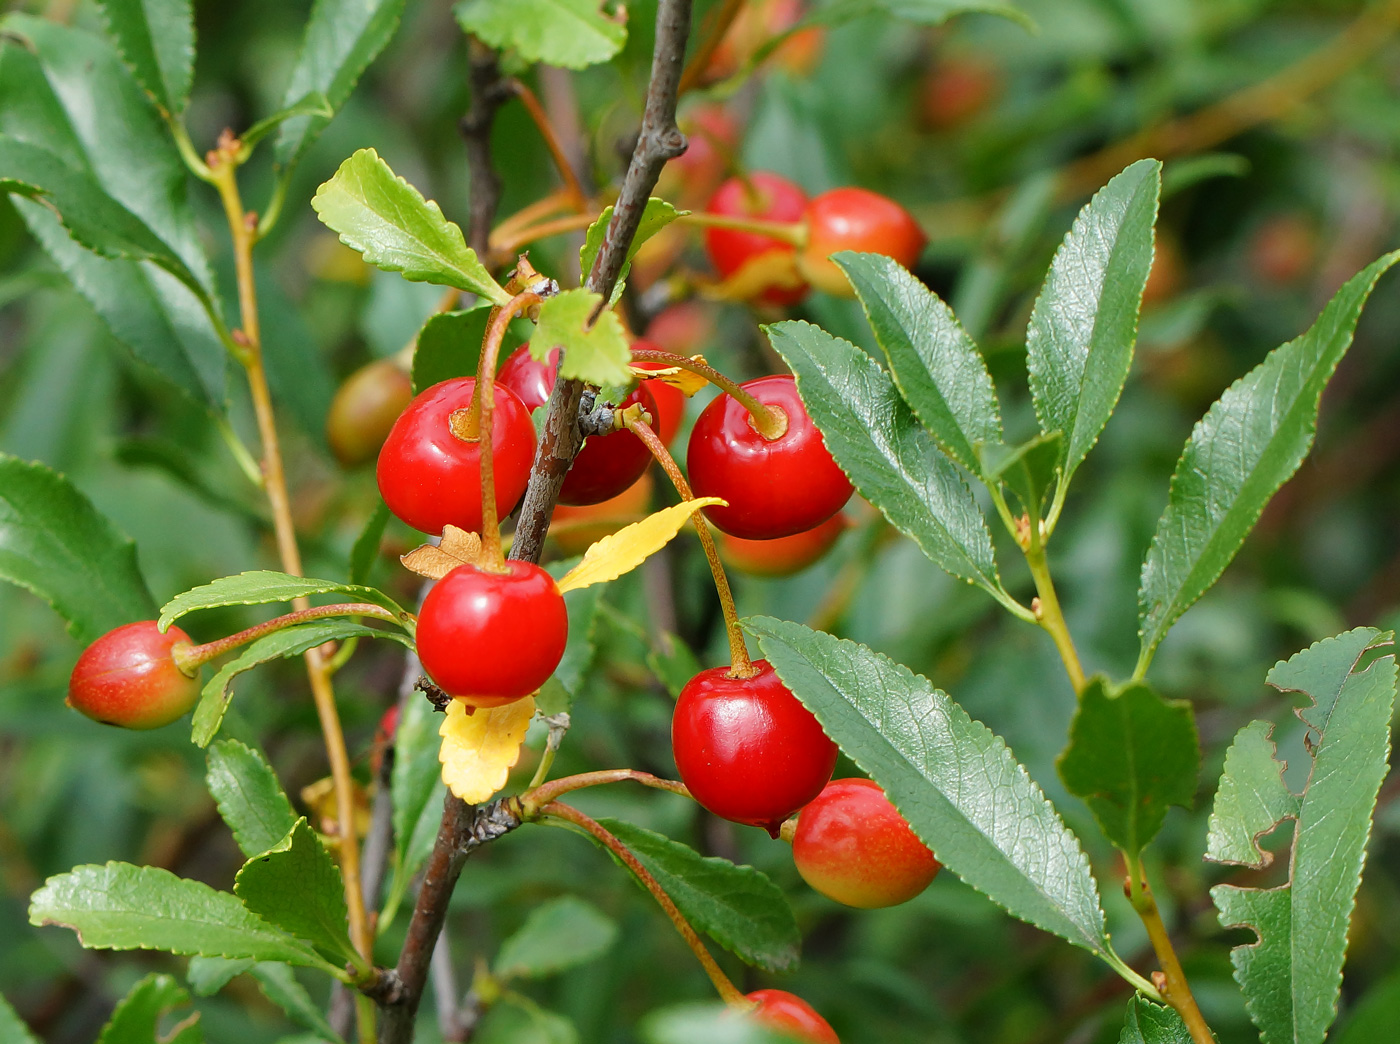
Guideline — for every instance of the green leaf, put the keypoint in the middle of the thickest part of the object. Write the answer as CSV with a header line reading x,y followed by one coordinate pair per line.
x,y
249,797
737,906
314,103
920,12
1131,754
956,782
581,647
388,221
365,553
290,641
12,1027
707,1024
1029,469
570,33
342,38
449,345
208,975
297,886
559,934
519,1020
1148,1023
125,907
655,216
1246,446
891,460
1373,1020
933,361
1292,975
259,586
53,542
278,984
1079,346
599,354
137,1017
418,793
156,37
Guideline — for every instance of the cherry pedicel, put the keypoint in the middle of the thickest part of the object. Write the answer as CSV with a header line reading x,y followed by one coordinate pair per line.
x,y
855,219
746,747
765,197
852,845
773,487
782,556
490,638
128,678
669,400
789,1013
431,477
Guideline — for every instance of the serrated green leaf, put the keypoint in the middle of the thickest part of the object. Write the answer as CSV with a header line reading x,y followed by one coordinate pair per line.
x,y
156,37
1291,976
342,38
217,693
53,542
938,369
599,355
573,34
137,1017
558,934
1079,345
956,782
248,795
278,984
314,103
737,906
388,221
1245,447
297,886
1029,469
449,345
1131,755
1148,1023
656,215
707,1024
260,586
891,460
123,907
12,1027
1251,800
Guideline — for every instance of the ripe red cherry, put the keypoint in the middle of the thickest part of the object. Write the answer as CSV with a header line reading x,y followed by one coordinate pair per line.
x,y
852,845
774,199
431,478
747,748
669,400
789,1013
855,219
781,556
364,410
127,678
607,464
490,638
774,488
956,90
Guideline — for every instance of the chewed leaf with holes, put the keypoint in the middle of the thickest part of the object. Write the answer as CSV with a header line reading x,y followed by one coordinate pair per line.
x,y
1292,975
479,749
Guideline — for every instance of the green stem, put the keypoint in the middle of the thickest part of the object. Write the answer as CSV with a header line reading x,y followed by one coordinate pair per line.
x,y
365,1016
1176,991
1048,613
247,463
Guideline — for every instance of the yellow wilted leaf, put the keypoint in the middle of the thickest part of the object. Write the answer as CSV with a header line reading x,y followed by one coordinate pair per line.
x,y
769,270
629,547
479,749
688,383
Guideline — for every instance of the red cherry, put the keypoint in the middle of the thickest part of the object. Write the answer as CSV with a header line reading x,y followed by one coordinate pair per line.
x,y
127,678
852,845
431,478
669,400
774,488
781,556
607,464
747,748
855,219
789,1013
774,199
364,410
956,90
490,638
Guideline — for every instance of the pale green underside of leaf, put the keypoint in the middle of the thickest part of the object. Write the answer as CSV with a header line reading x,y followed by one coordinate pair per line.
x,y
558,934
1248,444
737,906
156,37
956,782
248,795
935,364
656,215
891,460
1291,976
573,34
12,1027
137,1017
1148,1023
123,907
55,543
259,586
597,355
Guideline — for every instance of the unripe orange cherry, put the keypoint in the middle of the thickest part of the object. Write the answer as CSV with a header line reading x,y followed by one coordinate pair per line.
x,y
128,678
364,410
789,1013
855,219
852,845
781,556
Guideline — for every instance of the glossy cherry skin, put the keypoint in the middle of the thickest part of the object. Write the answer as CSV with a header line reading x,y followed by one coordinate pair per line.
x,y
747,748
782,556
852,845
669,400
607,464
490,638
430,478
789,1013
855,219
773,488
128,678
364,410
777,199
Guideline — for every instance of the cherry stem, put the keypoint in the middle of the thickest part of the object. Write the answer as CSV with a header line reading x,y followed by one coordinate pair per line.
x,y
574,191
189,658
524,236
716,29
791,232
533,800
728,992
768,421
740,666
528,215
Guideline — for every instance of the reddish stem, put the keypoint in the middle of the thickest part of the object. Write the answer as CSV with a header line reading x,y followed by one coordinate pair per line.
x,y
533,800
189,658
768,421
